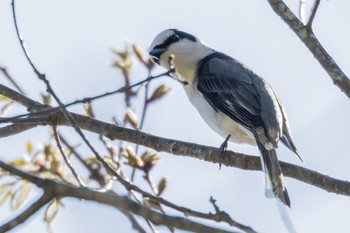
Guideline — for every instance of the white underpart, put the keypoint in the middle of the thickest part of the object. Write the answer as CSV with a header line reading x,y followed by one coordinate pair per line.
x,y
187,55
218,121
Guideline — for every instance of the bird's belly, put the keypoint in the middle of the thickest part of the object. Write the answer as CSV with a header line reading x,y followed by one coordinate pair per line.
x,y
218,121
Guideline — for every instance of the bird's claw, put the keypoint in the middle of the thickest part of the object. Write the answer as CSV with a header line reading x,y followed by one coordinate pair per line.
x,y
223,148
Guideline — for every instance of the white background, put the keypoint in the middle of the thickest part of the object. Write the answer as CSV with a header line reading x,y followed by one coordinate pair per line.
x,y
70,42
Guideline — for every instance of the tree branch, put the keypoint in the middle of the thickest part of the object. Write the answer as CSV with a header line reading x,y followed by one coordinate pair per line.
x,y
206,153
122,203
308,37
65,157
14,129
11,79
210,154
313,13
176,147
31,105
43,200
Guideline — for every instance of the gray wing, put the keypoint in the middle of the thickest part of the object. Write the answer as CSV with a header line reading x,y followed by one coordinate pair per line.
x,y
235,90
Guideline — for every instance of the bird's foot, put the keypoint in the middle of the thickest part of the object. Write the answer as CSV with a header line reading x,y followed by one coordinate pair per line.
x,y
223,148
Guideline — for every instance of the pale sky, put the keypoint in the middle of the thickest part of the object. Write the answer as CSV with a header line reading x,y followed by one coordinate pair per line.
x,y
70,42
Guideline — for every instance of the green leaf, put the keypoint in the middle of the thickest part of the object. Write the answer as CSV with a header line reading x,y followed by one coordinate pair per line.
x,y
52,210
161,186
5,186
29,147
17,162
7,195
4,98
22,194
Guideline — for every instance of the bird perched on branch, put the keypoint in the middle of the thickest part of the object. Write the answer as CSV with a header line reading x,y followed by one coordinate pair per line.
x,y
234,101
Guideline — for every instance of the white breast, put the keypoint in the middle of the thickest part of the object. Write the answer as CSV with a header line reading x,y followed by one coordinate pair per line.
x,y
218,121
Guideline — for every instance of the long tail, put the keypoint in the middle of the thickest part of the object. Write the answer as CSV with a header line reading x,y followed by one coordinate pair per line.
x,y
273,169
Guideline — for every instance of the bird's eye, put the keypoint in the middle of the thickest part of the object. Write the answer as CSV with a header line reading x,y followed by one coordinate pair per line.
x,y
174,38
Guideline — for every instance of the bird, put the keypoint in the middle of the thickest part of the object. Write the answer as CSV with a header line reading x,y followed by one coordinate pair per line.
x,y
234,101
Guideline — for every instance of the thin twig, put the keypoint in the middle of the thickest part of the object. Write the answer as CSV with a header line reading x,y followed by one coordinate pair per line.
x,y
176,147
307,36
94,173
11,79
222,216
145,104
313,13
120,90
65,157
135,224
143,116
50,90
22,42
34,107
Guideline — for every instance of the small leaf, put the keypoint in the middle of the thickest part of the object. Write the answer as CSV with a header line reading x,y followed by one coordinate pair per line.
x,y
17,162
119,64
149,160
6,107
152,203
4,98
7,194
52,210
138,52
46,98
6,186
55,166
89,111
29,147
49,152
150,64
150,157
131,118
159,92
161,186
22,194
122,54
133,159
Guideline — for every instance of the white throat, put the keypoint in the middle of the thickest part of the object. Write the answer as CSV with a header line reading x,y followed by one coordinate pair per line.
x,y
187,56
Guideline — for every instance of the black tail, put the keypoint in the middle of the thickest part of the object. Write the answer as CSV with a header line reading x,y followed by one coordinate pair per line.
x,y
274,172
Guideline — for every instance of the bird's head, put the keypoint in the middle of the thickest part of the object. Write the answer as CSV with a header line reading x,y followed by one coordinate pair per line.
x,y
187,49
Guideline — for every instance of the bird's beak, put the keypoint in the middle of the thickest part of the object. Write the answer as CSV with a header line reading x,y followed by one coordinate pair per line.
x,y
155,54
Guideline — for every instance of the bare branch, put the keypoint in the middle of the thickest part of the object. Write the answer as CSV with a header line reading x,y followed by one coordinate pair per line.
x,y
134,222
122,203
65,157
14,129
11,79
313,13
210,154
30,211
307,36
120,90
222,216
34,106
22,42
31,105
94,173
50,90
175,147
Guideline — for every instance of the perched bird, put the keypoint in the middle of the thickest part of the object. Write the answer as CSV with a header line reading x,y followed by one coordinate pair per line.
x,y
234,101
